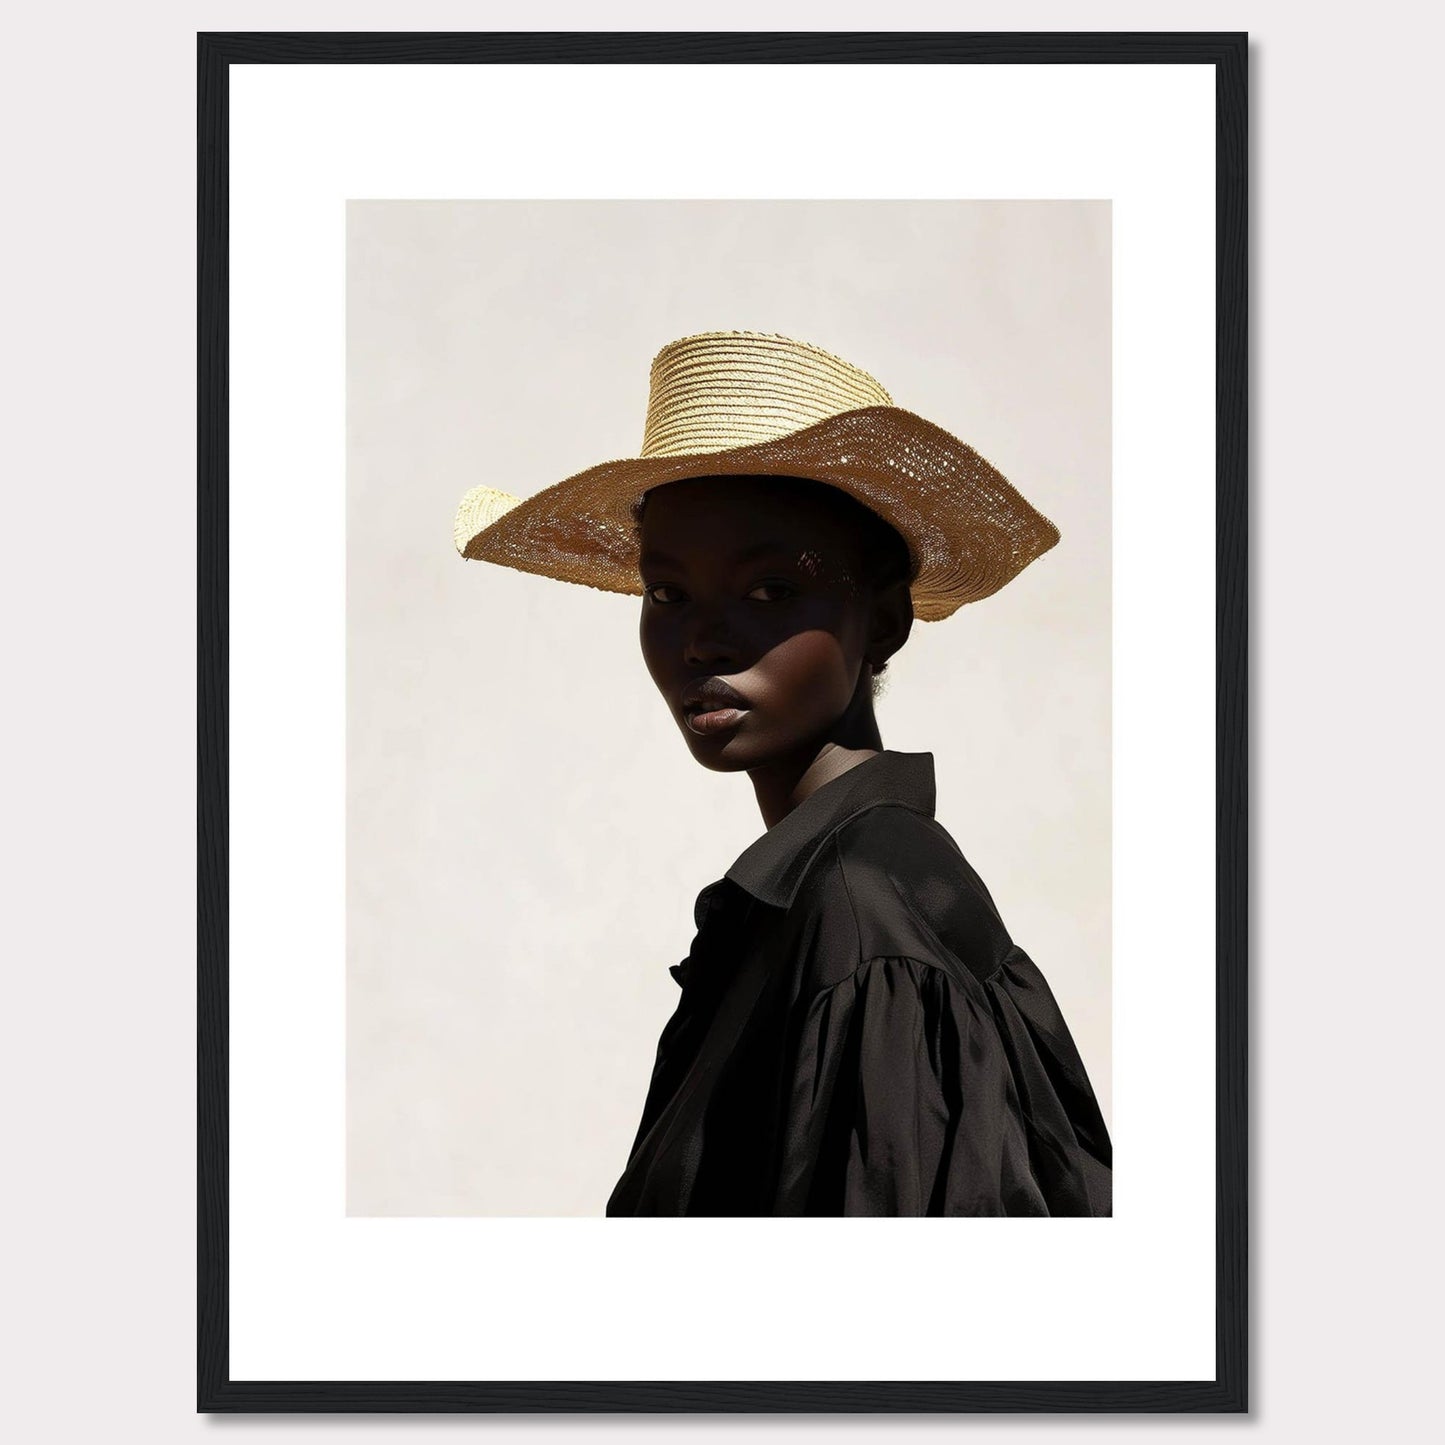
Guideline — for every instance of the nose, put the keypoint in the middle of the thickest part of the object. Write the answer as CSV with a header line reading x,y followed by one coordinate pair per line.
x,y
709,643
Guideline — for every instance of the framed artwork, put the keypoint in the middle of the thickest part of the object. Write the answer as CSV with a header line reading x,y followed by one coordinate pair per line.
x,y
722,748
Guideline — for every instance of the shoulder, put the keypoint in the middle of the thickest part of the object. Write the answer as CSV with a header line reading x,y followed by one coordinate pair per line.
x,y
897,833
907,890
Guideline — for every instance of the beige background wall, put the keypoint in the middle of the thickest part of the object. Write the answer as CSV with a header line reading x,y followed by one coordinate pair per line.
x,y
520,875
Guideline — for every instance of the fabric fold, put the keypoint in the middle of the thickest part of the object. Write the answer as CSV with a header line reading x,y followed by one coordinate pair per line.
x,y
920,1093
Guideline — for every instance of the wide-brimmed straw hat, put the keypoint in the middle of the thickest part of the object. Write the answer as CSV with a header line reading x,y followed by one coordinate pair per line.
x,y
737,403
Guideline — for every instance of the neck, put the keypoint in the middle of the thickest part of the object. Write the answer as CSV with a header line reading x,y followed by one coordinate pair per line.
x,y
781,785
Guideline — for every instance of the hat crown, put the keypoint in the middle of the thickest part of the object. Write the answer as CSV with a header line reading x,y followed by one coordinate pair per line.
x,y
722,389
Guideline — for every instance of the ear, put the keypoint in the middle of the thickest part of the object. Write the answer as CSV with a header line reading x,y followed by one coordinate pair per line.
x,y
891,622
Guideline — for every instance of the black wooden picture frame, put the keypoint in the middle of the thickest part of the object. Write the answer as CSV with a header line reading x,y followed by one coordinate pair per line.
x,y
1227,53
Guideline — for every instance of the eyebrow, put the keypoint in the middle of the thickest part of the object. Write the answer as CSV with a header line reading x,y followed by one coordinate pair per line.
x,y
746,554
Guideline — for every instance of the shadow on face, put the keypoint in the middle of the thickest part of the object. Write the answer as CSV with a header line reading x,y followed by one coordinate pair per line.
x,y
769,585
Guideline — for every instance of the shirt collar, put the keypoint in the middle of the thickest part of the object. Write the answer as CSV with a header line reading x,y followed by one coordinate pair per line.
x,y
772,868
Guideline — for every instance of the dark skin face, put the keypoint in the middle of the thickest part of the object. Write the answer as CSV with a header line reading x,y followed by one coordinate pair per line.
x,y
765,590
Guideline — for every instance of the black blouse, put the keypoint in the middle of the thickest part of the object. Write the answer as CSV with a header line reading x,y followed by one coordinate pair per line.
x,y
858,1034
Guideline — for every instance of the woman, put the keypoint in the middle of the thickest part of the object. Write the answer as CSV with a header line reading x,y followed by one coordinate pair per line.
x,y
857,1033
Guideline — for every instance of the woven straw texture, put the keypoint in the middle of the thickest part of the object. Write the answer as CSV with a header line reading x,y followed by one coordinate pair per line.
x,y
736,403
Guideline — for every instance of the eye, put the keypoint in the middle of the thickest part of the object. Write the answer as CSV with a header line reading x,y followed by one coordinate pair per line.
x,y
657,587
783,588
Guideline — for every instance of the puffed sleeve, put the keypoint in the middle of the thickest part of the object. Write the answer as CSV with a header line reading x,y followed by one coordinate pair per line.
x,y
920,1090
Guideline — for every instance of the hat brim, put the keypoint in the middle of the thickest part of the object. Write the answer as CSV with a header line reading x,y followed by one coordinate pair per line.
x,y
968,528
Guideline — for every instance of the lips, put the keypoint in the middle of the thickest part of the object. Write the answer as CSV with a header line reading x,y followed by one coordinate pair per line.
x,y
712,695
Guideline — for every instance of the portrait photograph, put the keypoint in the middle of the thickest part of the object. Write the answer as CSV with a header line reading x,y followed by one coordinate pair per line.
x,y
738,827
728,708
716,749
